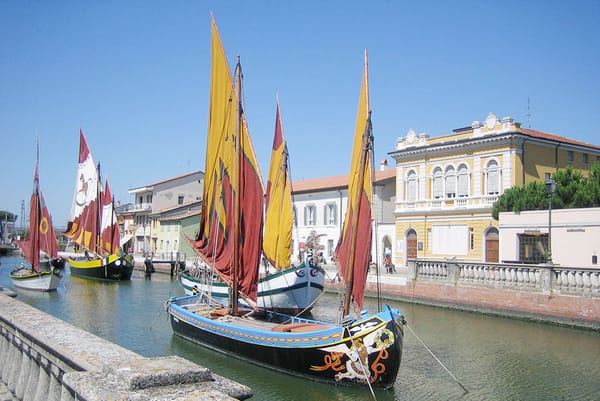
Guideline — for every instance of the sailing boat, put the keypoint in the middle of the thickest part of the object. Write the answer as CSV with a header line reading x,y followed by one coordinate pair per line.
x,y
363,350
93,225
41,248
292,289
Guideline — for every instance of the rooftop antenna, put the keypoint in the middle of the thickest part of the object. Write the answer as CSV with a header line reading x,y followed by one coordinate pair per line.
x,y
528,115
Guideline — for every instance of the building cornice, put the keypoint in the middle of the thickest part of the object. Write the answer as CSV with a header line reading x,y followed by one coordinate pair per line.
x,y
512,139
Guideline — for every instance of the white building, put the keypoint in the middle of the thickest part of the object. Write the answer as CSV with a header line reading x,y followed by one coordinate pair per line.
x,y
320,207
575,236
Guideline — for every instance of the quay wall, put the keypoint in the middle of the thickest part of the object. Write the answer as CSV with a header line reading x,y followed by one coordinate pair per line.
x,y
549,293
44,358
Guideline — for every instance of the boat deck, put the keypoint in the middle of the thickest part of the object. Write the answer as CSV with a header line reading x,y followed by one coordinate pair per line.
x,y
247,320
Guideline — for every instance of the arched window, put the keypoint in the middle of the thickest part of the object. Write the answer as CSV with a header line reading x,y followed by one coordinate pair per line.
x,y
437,183
411,186
493,178
450,182
463,181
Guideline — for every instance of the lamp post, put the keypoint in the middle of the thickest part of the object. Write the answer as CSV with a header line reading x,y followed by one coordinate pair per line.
x,y
550,189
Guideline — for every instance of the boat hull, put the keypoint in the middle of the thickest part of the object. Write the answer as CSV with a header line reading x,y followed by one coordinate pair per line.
x,y
292,291
111,268
334,354
27,279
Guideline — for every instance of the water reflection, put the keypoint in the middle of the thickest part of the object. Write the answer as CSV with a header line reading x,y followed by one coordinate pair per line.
x,y
494,358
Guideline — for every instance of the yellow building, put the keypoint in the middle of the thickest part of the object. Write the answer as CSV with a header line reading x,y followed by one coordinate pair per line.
x,y
446,186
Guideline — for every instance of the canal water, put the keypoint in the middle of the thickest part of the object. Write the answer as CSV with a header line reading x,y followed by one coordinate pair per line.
x,y
494,358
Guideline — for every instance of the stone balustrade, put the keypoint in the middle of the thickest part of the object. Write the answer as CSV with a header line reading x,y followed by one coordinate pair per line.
x,y
546,279
44,358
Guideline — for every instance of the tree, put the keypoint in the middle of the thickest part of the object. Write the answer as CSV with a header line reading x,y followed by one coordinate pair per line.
x,y
7,216
570,189
573,190
530,197
593,184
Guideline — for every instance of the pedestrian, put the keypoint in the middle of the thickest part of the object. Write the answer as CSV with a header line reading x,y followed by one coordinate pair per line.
x,y
148,268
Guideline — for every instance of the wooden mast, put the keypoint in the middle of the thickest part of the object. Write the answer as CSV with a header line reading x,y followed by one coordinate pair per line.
x,y
354,231
235,193
35,242
366,147
98,215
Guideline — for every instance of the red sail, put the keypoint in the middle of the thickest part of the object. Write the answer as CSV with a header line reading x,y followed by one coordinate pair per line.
x,y
41,232
110,234
31,246
47,235
232,202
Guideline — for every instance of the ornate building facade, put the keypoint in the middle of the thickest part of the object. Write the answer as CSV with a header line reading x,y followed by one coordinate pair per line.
x,y
446,186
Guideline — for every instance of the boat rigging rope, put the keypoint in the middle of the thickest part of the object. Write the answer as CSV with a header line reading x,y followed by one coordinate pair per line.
x,y
163,309
436,358
362,366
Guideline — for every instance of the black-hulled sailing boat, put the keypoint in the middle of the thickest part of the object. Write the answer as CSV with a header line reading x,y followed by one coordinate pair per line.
x,y
363,350
93,225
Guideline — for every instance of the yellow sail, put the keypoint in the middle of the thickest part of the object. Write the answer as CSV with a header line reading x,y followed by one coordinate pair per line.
x,y
353,252
277,237
221,125
232,208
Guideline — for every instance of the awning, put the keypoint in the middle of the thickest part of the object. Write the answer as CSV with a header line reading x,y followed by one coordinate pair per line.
x,y
125,239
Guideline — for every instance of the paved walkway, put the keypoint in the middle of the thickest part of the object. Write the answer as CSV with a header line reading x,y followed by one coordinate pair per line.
x,y
398,278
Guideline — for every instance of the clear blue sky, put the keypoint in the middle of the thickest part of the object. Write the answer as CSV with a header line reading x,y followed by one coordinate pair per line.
x,y
135,74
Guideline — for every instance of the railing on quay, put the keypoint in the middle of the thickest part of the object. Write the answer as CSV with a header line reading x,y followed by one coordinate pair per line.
x,y
545,278
44,358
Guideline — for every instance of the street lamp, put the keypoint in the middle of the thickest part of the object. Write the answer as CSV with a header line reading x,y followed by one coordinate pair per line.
x,y
550,189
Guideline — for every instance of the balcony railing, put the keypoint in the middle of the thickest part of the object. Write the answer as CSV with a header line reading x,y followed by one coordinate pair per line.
x,y
484,201
138,207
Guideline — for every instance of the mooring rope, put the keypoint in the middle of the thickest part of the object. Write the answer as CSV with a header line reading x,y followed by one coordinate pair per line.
x,y
440,362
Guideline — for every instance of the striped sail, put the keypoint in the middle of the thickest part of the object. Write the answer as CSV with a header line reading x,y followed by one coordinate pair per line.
x,y
82,226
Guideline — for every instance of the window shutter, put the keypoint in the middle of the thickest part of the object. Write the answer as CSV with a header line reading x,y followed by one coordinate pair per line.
x,y
438,185
450,182
463,181
493,176
411,187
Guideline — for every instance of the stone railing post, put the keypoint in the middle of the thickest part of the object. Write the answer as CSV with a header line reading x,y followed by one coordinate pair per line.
x,y
412,269
546,274
453,271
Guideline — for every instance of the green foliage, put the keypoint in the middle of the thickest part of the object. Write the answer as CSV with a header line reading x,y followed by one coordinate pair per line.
x,y
8,216
573,190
